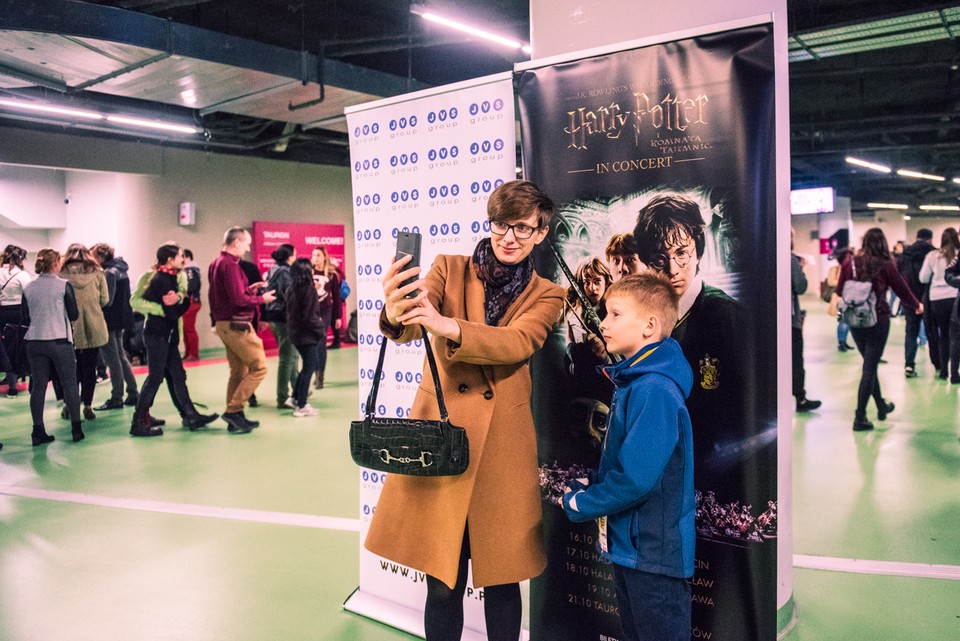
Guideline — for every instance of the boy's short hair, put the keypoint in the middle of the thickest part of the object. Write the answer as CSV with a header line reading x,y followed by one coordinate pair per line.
x,y
664,222
517,199
654,294
622,245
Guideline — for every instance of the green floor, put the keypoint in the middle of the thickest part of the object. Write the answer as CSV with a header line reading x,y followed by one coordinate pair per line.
x,y
115,558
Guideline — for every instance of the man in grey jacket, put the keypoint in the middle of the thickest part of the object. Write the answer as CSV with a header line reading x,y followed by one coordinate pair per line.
x,y
798,286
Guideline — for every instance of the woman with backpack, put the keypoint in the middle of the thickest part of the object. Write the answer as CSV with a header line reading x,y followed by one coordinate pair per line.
x,y
872,264
278,280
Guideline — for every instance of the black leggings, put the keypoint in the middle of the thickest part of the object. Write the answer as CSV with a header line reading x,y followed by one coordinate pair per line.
x,y
443,613
870,343
86,373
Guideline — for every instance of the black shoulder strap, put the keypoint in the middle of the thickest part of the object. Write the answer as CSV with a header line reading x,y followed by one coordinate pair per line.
x,y
378,372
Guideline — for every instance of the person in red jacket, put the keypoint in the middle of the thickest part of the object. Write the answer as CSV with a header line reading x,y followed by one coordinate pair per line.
x,y
873,263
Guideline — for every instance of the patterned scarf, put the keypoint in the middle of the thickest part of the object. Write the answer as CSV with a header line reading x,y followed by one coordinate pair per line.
x,y
168,270
502,284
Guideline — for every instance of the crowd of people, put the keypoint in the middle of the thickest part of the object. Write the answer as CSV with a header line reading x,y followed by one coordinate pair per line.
x,y
919,281
79,312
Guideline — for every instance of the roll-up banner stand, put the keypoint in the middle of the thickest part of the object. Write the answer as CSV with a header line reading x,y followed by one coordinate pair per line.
x,y
605,133
425,162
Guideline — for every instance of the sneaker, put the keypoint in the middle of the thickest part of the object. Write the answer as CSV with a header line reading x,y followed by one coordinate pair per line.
x,y
12,392
306,410
236,422
288,404
806,405
909,372
195,421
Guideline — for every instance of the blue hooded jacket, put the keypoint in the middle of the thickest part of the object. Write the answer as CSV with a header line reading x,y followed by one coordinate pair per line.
x,y
644,484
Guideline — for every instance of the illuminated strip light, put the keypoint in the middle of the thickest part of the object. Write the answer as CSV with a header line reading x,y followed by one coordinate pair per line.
x,y
474,31
940,207
868,165
60,111
957,180
886,206
916,174
152,124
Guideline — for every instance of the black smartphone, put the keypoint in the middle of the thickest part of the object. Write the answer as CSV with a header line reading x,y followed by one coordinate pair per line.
x,y
408,244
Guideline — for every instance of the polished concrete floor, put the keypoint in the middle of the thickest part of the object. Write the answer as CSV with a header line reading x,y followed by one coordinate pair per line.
x,y
209,536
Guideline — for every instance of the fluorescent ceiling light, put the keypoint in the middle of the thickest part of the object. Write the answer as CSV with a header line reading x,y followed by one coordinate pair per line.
x,y
940,207
422,11
152,124
60,111
869,165
907,218
957,180
916,174
886,206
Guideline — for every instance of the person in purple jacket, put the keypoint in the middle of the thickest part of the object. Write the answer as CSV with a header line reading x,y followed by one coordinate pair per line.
x,y
873,263
233,307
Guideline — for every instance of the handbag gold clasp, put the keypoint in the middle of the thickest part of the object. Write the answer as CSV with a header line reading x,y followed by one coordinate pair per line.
x,y
425,459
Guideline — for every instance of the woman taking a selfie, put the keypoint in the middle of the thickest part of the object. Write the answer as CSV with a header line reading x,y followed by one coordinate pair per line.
x,y
486,315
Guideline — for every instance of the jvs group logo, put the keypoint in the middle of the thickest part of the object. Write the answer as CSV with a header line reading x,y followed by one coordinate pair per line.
x,y
479,229
483,150
369,237
444,233
405,199
368,132
403,126
366,168
366,203
443,157
369,273
396,230
444,194
442,118
370,342
402,412
367,374
486,110
370,304
480,189
408,378
380,411
404,163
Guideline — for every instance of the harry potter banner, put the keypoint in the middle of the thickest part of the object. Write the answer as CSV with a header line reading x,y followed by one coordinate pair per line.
x,y
662,158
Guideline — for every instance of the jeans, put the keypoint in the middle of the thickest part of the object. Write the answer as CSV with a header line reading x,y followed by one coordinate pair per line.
x,y
191,340
119,365
248,363
652,606
47,358
870,342
86,373
163,362
799,374
843,330
286,362
311,360
913,334
443,612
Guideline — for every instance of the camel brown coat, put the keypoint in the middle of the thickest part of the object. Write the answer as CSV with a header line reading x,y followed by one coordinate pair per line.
x,y
419,522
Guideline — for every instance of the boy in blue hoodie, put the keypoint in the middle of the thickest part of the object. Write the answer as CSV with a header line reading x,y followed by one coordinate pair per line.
x,y
642,492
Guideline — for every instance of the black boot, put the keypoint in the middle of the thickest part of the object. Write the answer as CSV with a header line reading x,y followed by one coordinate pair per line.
x,y
884,408
40,436
860,423
141,426
195,420
77,432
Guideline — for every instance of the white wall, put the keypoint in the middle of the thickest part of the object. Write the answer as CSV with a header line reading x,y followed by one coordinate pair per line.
x,y
563,26
31,198
138,212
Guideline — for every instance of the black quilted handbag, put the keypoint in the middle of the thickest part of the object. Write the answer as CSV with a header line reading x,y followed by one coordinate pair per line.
x,y
410,446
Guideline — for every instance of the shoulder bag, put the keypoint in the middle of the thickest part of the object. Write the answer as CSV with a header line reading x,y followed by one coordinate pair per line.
x,y
409,446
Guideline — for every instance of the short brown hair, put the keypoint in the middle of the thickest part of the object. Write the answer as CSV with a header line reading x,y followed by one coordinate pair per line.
x,y
653,293
102,252
517,199
621,245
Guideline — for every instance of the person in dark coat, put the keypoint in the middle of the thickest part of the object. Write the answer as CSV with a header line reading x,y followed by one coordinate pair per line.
x,y
119,317
306,329
909,264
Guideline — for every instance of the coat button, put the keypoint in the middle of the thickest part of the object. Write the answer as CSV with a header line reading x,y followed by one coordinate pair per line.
x,y
488,394
463,388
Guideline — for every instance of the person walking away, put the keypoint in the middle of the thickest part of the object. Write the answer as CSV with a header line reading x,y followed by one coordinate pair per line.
x,y
327,283
13,278
642,492
161,337
233,307
941,296
833,277
191,340
119,318
49,308
278,281
307,331
874,264
798,287
952,276
909,263
90,329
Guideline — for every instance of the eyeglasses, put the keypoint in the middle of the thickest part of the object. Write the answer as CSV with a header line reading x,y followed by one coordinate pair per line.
x,y
520,230
681,258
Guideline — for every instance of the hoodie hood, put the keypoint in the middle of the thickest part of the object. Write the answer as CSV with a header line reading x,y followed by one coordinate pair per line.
x,y
664,358
918,250
118,266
